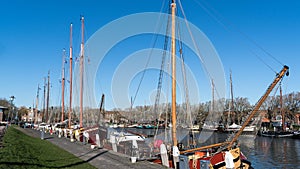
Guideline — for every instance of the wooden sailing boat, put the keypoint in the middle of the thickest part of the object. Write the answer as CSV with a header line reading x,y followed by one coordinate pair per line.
x,y
227,154
217,159
115,137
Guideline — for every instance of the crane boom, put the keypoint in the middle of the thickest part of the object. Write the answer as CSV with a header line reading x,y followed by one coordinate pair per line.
x,y
101,109
279,76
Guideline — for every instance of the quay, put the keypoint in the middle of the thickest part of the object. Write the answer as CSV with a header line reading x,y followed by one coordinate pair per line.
x,y
99,158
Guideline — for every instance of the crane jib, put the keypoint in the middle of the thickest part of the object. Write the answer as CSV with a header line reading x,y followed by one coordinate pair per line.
x,y
279,76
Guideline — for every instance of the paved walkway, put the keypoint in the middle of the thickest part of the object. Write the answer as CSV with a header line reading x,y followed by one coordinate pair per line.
x,y
100,158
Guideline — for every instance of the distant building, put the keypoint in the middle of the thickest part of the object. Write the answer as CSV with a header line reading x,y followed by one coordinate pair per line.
x,y
297,118
2,113
28,117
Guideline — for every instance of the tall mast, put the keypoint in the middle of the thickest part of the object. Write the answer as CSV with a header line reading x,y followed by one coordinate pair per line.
x,y
212,96
48,93
44,102
281,108
173,50
231,96
231,91
36,105
63,87
81,70
71,80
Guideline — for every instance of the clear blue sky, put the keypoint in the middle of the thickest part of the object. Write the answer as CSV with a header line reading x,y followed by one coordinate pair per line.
x,y
33,34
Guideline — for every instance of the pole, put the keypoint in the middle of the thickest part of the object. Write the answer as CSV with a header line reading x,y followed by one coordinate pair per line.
x,y
44,102
71,79
173,50
36,105
48,93
81,71
231,108
63,87
281,108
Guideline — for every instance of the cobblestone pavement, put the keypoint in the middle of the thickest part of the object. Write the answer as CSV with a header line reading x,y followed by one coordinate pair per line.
x,y
100,158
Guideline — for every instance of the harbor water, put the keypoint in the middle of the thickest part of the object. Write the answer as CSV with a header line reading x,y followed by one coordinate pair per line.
x,y
268,152
262,152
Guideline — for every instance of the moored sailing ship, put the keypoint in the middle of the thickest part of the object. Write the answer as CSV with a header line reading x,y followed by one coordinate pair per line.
x,y
220,155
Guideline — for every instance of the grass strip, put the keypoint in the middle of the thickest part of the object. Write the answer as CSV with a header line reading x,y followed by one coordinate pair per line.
x,y
22,151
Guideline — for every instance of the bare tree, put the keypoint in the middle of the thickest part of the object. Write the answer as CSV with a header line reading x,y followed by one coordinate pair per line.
x,y
241,108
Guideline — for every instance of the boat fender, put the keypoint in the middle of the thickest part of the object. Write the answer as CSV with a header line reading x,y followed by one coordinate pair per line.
x,y
229,160
176,154
164,155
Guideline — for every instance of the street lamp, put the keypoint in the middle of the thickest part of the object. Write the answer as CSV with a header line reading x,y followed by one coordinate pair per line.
x,y
11,106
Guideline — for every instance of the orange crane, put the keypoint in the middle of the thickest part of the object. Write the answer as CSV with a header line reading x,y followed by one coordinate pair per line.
x,y
279,76
229,144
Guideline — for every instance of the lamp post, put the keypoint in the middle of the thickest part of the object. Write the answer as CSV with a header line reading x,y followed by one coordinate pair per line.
x,y
11,107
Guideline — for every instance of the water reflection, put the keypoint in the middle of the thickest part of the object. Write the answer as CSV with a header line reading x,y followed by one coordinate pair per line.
x,y
274,153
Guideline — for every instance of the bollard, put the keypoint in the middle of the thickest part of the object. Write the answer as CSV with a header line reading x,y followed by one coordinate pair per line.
x,y
71,136
98,141
133,159
42,135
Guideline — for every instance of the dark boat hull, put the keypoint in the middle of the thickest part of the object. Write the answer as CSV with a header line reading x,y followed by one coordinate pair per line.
x,y
278,134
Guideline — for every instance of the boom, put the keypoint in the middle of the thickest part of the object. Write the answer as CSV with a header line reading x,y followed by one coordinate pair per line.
x,y
101,109
279,76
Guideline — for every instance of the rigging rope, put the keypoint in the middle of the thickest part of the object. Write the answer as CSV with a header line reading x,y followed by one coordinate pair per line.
x,y
195,45
184,80
149,56
161,72
211,14
263,62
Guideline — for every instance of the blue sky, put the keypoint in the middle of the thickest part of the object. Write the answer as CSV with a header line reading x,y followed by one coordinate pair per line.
x,y
33,34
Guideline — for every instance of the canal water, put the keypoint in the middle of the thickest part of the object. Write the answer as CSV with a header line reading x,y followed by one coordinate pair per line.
x,y
262,152
267,152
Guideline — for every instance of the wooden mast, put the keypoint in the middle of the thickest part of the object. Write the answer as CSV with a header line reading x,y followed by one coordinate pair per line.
x,y
63,87
48,93
281,108
173,50
36,105
71,79
44,102
213,96
81,71
231,95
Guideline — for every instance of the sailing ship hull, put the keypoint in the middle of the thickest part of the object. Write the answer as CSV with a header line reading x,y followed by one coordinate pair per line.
x,y
199,160
296,135
122,141
278,134
216,161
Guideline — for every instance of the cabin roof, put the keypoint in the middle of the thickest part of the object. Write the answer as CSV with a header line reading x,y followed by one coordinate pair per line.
x,y
2,107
